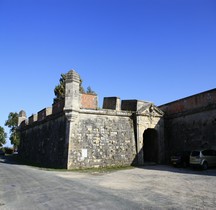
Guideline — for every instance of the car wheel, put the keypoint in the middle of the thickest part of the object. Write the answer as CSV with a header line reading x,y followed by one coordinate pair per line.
x,y
205,166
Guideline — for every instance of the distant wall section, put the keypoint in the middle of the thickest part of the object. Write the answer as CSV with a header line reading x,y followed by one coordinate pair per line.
x,y
190,122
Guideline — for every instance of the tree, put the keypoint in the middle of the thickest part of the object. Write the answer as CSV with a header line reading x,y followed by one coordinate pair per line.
x,y
3,136
90,91
81,89
12,123
59,90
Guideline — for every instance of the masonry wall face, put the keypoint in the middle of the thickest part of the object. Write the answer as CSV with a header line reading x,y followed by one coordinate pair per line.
x,y
102,140
76,134
191,103
191,131
45,143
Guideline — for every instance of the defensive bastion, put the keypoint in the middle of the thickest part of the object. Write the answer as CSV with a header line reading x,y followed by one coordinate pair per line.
x,y
74,133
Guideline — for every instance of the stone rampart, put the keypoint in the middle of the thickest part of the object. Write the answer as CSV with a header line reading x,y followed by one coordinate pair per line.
x,y
193,131
103,138
76,134
190,123
43,142
194,103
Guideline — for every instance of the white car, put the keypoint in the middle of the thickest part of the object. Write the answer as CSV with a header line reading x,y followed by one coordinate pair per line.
x,y
203,158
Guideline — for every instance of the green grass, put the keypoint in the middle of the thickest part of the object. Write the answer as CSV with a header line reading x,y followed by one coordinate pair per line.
x,y
102,169
99,170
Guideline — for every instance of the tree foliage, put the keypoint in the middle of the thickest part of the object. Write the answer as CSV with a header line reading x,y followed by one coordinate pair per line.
x,y
59,90
3,136
90,91
12,123
81,89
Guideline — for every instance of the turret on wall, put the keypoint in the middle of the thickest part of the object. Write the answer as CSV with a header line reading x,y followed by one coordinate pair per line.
x,y
21,117
72,94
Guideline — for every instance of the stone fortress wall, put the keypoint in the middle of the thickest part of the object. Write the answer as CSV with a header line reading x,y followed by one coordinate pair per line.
x,y
190,123
75,133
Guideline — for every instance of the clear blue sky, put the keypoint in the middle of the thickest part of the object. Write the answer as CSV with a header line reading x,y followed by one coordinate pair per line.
x,y
154,50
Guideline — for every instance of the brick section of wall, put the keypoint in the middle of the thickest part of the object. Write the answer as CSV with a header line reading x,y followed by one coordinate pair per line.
x,y
89,101
190,103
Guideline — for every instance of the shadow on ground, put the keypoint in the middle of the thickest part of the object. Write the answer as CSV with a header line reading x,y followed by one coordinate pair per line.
x,y
14,159
188,170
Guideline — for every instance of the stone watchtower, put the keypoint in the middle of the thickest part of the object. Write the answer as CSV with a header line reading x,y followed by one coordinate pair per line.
x,y
21,117
72,107
72,95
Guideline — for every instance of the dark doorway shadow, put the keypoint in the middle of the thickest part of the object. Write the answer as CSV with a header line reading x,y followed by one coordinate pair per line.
x,y
150,148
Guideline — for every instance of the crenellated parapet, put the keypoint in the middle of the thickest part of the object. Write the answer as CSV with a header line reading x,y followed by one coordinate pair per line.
x,y
113,103
75,133
76,103
41,115
58,107
44,113
33,118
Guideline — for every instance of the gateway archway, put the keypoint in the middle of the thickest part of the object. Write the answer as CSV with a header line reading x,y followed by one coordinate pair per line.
x,y
150,145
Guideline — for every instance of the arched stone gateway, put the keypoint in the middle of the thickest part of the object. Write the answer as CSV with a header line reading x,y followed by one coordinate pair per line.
x,y
150,134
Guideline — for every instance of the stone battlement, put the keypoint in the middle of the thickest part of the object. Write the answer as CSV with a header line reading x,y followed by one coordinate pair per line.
x,y
192,103
75,133
87,101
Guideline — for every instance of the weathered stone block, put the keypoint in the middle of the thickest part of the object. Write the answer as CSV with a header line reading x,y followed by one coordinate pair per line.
x,y
112,103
